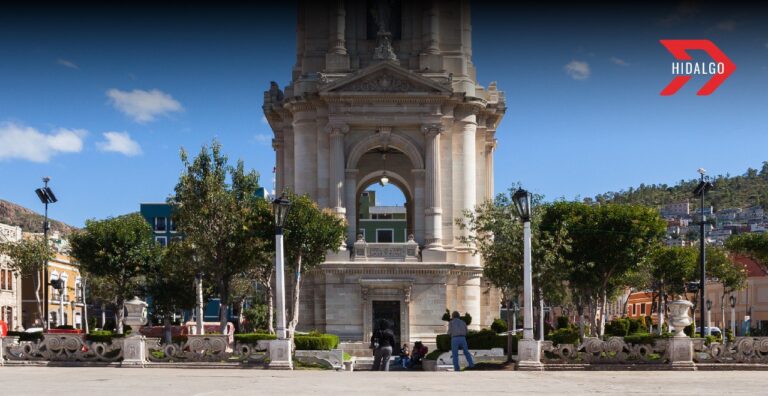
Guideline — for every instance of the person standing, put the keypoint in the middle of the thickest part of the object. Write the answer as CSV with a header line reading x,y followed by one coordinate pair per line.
x,y
457,329
383,340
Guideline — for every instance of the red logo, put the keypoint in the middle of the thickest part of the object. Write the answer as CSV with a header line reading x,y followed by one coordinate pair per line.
x,y
720,69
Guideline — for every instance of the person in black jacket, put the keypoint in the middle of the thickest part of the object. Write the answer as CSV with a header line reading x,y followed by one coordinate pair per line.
x,y
383,341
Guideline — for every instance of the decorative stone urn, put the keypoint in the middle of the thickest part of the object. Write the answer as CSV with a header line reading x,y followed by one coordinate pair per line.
x,y
134,347
678,316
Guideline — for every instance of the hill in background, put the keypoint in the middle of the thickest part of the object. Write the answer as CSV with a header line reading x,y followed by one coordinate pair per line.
x,y
747,190
29,221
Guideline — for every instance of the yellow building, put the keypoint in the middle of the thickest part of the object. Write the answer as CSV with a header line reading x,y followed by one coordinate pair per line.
x,y
65,307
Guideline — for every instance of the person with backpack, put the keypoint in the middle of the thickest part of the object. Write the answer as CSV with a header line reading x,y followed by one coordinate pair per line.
x,y
382,342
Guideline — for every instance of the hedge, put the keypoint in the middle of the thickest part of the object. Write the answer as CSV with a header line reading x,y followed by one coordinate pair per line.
x,y
564,336
499,325
253,338
102,336
641,338
24,336
483,339
316,342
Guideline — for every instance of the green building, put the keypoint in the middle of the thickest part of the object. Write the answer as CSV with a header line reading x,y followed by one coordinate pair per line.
x,y
158,215
383,224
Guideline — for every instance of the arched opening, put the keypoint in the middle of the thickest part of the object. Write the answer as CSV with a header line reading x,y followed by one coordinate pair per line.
x,y
384,204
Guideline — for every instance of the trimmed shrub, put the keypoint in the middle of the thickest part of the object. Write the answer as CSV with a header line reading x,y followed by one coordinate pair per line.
x,y
641,338
467,318
618,327
564,336
24,336
316,342
637,325
253,338
102,336
499,326
483,339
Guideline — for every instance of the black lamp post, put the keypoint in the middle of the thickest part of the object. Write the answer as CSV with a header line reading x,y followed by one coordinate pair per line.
x,y
733,314
700,191
46,196
281,207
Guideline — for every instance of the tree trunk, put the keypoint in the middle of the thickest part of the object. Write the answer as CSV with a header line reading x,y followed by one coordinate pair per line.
x,y
167,333
580,312
37,282
120,316
199,303
296,295
603,308
270,307
662,310
510,331
223,305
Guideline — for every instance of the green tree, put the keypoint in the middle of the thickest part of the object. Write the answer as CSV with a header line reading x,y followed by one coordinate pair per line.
x,y
607,242
309,234
27,258
168,284
495,232
217,209
752,245
120,251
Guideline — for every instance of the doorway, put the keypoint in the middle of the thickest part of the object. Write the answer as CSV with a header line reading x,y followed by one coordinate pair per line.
x,y
389,311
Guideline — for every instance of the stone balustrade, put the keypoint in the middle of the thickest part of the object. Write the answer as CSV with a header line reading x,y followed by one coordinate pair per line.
x,y
404,252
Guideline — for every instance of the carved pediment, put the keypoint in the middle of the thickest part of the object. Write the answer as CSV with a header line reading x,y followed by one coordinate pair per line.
x,y
386,77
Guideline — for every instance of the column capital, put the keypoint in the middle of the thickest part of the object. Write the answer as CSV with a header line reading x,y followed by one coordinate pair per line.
x,y
336,128
277,143
432,129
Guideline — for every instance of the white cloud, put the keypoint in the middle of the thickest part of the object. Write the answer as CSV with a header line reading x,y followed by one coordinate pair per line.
x,y
144,106
27,143
263,138
618,61
727,25
578,70
119,142
67,63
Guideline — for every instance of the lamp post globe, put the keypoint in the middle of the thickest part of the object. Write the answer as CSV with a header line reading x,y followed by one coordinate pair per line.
x,y
522,200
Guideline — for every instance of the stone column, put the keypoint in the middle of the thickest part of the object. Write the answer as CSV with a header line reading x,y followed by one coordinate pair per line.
x,y
467,126
490,149
279,146
337,58
433,211
432,35
469,298
288,158
305,153
336,186
322,180
418,205
350,187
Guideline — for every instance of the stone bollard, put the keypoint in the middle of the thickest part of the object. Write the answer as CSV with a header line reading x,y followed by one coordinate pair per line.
x,y
280,355
2,350
529,355
134,346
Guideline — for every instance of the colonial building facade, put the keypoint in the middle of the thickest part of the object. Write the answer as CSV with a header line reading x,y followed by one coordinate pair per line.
x,y
388,89
10,281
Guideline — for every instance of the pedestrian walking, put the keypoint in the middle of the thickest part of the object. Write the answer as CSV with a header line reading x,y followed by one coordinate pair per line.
x,y
457,329
383,340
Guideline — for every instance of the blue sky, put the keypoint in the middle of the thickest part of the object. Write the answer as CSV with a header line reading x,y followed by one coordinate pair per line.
x,y
101,100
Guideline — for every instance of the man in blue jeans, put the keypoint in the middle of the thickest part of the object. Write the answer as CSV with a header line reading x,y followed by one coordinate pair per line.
x,y
457,329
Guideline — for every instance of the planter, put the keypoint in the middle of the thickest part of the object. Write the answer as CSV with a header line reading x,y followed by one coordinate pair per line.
x,y
349,365
678,316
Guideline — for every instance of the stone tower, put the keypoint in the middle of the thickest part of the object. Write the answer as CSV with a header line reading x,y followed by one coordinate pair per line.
x,y
389,78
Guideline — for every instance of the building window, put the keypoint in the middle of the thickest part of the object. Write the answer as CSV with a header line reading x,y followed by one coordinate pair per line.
x,y
160,224
642,309
171,225
163,241
9,274
2,279
384,236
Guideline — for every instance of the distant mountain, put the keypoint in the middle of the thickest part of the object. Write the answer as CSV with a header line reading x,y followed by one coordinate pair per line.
x,y
29,221
749,189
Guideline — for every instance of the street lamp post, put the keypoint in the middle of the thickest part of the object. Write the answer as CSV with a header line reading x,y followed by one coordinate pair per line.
x,y
46,196
700,191
280,349
708,328
733,314
528,348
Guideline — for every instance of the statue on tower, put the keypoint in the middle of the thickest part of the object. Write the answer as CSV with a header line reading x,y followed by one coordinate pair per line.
x,y
381,14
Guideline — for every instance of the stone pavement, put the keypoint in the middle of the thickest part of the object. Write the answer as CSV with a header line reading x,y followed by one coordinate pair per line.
x,y
165,381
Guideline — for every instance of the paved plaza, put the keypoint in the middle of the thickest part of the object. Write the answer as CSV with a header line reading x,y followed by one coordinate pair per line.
x,y
120,381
